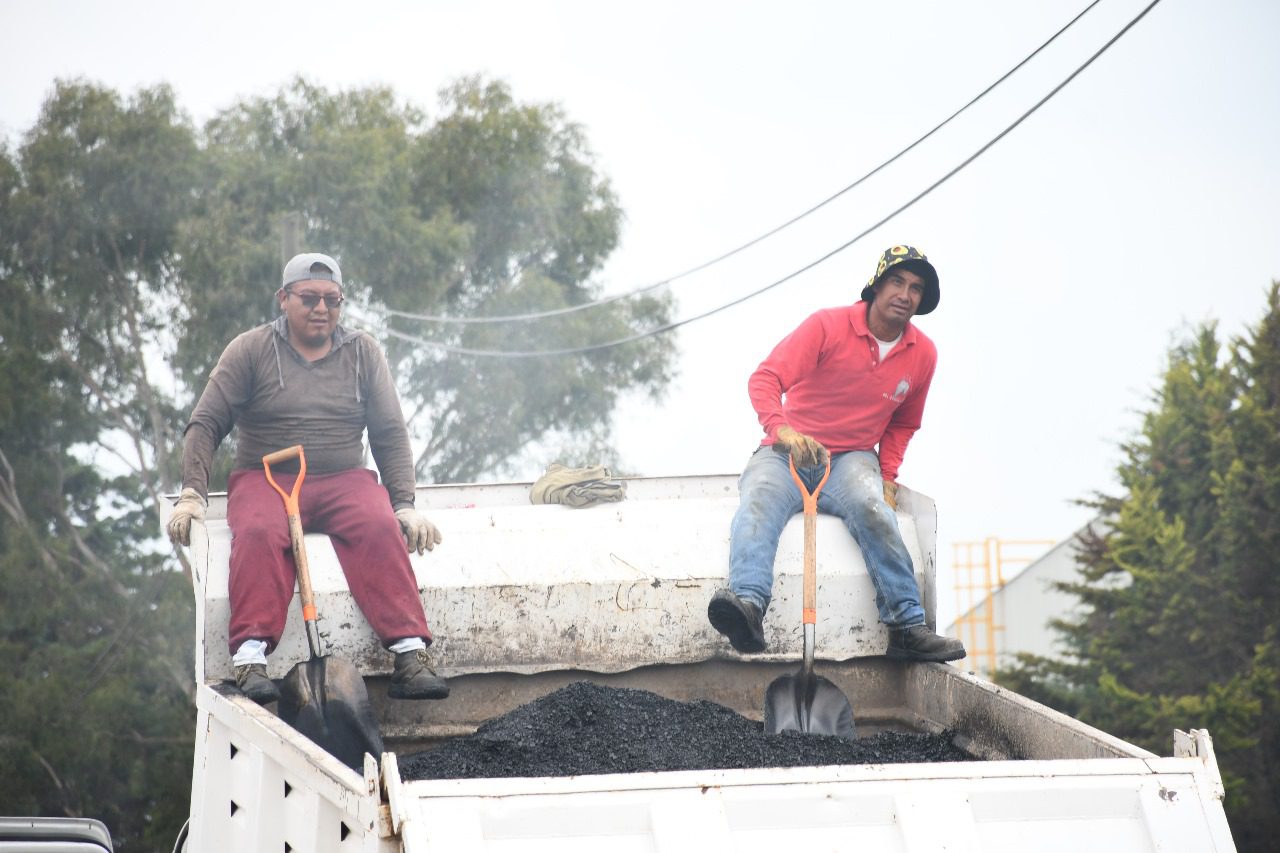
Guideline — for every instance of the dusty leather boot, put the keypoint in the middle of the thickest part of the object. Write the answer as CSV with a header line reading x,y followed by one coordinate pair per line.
x,y
253,682
414,678
740,621
919,643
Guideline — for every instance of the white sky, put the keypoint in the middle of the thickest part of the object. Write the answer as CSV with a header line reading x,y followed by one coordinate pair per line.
x,y
1142,200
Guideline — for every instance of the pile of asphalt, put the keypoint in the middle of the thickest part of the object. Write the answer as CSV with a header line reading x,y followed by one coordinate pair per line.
x,y
585,728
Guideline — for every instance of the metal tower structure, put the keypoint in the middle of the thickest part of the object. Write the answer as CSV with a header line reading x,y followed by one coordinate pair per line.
x,y
981,570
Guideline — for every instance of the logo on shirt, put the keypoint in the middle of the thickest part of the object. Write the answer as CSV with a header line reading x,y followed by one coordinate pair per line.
x,y
899,393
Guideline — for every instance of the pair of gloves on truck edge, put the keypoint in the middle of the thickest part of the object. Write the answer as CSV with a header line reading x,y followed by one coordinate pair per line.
x,y
419,534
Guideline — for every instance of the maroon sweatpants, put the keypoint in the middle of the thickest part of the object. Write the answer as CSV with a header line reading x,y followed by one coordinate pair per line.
x,y
355,510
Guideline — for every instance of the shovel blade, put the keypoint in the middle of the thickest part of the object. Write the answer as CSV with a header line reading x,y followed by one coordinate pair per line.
x,y
325,698
807,703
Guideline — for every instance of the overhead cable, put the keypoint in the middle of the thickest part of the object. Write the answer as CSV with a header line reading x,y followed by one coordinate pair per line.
x,y
667,327
607,300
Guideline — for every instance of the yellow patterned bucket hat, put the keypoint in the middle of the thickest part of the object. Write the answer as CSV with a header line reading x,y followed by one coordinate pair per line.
x,y
918,264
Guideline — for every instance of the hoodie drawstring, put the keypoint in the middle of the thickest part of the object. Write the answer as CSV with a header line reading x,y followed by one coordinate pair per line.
x,y
358,396
275,345
341,338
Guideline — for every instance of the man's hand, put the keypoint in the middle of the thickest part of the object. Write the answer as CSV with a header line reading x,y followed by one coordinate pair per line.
x,y
190,506
891,494
419,534
806,452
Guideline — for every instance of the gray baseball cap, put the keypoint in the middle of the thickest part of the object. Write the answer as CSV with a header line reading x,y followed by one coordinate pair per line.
x,y
311,266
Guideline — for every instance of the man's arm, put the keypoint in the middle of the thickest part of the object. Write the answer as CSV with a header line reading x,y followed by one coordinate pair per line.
x,y
789,362
229,388
903,425
389,443
388,434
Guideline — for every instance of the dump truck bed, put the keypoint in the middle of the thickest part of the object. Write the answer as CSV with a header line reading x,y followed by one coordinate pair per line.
x,y
525,599
1062,786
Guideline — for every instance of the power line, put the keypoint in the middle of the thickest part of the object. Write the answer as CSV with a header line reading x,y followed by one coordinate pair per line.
x,y
555,312
677,324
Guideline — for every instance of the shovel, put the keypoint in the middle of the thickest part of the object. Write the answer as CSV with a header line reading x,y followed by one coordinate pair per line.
x,y
325,697
805,702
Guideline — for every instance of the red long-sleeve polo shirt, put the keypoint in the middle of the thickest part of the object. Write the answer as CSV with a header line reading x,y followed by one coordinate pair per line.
x,y
827,381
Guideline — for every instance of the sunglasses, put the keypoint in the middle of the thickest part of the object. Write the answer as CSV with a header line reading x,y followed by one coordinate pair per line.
x,y
311,300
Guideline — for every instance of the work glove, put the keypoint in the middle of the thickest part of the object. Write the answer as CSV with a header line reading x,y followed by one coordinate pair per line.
x,y
419,534
805,452
891,494
190,506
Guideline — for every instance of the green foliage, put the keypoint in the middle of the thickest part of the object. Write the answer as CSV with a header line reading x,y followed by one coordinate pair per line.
x,y
96,712
539,224
94,724
1181,623
494,208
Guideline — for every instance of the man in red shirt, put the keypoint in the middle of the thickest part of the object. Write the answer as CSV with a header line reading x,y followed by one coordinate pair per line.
x,y
849,380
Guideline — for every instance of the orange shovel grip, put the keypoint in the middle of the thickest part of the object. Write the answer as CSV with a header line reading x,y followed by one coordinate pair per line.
x,y
810,498
290,499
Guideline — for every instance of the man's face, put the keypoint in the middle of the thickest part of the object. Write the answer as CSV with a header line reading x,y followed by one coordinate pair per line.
x,y
310,326
897,296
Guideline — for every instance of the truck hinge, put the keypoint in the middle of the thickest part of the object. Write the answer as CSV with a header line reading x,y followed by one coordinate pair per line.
x,y
1198,744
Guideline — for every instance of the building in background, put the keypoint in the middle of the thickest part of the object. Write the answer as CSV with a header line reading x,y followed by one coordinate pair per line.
x,y
1006,599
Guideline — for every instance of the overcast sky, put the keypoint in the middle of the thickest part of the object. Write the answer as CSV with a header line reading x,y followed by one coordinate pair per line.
x,y
1137,203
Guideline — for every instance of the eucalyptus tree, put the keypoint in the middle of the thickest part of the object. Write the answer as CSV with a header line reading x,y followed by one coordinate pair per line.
x,y
492,208
94,653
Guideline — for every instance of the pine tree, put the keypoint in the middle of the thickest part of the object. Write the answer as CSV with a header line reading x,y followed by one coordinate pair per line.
x,y
1180,580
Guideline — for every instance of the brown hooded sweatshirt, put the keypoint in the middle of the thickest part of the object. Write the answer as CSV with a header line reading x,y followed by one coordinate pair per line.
x,y
278,399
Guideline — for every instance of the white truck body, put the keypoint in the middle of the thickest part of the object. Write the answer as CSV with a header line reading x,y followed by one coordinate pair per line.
x,y
525,598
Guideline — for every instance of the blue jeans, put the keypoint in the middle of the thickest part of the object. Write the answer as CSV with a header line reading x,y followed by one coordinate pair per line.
x,y
855,494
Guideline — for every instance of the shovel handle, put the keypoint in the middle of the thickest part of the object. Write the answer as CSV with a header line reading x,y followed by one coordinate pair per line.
x,y
810,500
309,614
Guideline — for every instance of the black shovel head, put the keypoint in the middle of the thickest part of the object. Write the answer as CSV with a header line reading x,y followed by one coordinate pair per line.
x,y
325,698
807,703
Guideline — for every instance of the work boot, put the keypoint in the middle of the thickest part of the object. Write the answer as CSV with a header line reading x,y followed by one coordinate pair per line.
x,y
414,678
740,621
253,682
919,643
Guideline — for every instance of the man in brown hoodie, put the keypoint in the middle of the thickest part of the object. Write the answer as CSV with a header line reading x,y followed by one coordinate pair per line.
x,y
306,379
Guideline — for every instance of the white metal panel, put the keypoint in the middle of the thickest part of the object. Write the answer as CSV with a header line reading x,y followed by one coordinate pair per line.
x,y
258,785
528,588
996,806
